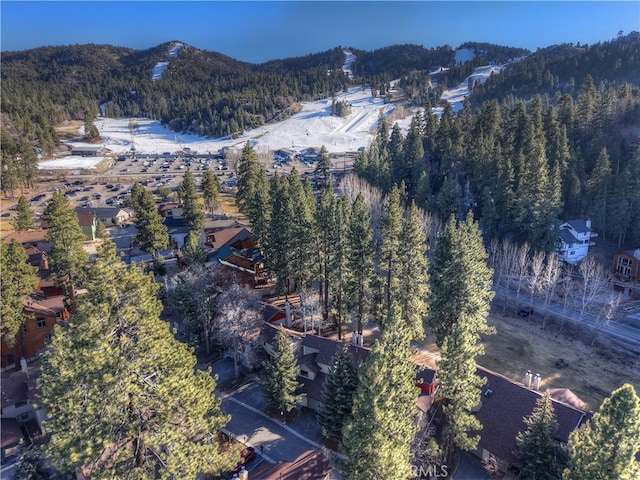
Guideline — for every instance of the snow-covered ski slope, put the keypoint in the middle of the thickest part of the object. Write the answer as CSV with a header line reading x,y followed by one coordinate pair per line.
x,y
312,126
160,67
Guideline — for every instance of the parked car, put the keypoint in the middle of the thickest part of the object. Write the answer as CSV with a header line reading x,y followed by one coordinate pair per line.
x,y
248,455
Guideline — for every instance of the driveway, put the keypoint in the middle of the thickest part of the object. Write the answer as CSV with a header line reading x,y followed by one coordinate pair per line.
x,y
275,440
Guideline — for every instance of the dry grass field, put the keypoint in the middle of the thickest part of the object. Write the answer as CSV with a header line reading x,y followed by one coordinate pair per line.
x,y
563,361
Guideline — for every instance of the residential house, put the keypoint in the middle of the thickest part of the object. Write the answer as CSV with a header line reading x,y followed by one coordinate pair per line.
x,y
235,249
314,364
504,404
284,155
626,271
178,232
238,236
310,465
88,223
41,315
31,238
315,356
109,216
19,418
574,240
173,210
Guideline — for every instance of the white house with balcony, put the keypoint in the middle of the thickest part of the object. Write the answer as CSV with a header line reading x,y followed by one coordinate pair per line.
x,y
574,240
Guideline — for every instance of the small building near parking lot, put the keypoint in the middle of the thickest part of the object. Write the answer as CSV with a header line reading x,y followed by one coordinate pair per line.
x,y
109,216
89,150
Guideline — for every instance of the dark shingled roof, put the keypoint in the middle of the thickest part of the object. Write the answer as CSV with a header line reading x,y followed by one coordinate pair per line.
x,y
309,362
312,388
502,412
567,236
311,465
328,347
579,226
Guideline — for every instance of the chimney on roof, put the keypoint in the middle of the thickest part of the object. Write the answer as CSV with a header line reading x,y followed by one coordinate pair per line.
x,y
588,222
527,379
23,366
536,382
287,314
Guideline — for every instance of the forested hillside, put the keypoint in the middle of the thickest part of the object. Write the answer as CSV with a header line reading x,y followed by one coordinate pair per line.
x,y
522,165
201,92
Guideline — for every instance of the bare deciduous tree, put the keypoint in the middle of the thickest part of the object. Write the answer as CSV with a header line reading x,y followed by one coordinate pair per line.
x,y
351,185
310,308
606,313
550,276
596,279
192,297
237,323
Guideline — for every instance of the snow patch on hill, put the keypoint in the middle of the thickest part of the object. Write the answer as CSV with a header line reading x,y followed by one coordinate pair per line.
x,y
456,96
464,55
350,58
160,67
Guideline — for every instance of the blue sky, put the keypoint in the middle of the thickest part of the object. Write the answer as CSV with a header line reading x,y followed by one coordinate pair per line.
x,y
263,30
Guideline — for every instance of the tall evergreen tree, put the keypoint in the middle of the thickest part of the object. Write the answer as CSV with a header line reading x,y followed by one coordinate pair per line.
x,y
337,394
460,281
412,288
540,454
460,386
460,298
24,215
91,133
248,173
278,241
18,279
324,166
280,375
377,444
360,260
301,229
67,258
194,254
340,262
391,230
152,233
210,190
606,447
326,244
125,397
192,216
600,185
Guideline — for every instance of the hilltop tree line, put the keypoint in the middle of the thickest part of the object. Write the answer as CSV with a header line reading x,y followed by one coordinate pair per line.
x,y
521,166
201,92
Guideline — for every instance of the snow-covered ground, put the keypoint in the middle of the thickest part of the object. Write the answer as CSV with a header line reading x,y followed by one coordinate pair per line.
x,y
313,126
456,96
